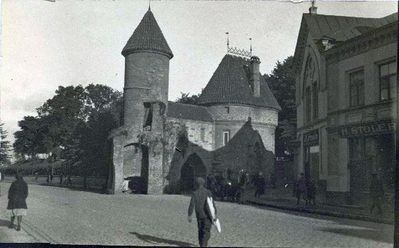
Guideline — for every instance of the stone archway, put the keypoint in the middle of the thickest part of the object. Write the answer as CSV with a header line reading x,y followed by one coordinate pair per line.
x,y
191,169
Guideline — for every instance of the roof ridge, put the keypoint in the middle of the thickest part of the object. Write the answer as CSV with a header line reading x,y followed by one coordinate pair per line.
x,y
352,17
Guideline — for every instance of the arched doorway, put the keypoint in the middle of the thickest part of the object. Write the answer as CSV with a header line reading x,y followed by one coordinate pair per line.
x,y
191,169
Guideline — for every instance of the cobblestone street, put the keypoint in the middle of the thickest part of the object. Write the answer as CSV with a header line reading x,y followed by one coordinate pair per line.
x,y
61,215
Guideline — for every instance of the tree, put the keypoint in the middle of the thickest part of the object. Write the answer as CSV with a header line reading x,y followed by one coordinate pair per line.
x,y
29,140
282,83
5,146
74,124
104,108
187,99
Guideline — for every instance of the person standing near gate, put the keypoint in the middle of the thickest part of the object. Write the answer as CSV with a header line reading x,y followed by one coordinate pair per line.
x,y
260,185
17,195
198,202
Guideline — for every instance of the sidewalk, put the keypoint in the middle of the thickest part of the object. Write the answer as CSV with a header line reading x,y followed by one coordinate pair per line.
x,y
283,199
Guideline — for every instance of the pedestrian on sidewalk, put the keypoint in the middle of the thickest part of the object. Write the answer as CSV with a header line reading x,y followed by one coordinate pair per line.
x,y
260,185
17,195
300,188
311,192
204,219
376,193
243,182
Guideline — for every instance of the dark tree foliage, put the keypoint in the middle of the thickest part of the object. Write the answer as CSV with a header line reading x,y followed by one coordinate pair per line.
x,y
5,146
282,83
73,125
187,99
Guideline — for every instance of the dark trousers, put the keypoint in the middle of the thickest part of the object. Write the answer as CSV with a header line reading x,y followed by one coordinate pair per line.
x,y
259,191
204,231
298,196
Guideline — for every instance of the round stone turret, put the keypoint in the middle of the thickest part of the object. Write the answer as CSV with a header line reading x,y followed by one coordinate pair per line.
x,y
147,56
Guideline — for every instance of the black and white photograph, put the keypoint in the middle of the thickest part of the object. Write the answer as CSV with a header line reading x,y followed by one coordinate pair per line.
x,y
198,123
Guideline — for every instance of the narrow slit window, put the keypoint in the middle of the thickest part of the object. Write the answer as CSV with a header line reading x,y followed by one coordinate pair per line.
x,y
147,124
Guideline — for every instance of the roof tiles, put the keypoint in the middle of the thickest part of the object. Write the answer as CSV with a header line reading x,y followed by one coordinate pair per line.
x,y
230,84
147,36
188,112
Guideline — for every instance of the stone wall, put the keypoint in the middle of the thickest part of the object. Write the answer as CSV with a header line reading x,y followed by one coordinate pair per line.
x,y
264,120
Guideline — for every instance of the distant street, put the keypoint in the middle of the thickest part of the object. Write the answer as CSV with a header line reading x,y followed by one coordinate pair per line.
x,y
61,215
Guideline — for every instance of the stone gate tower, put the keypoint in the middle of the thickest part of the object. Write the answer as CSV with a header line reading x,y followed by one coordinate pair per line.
x,y
145,95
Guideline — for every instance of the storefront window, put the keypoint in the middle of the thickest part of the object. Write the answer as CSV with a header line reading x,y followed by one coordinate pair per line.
x,y
356,88
356,149
387,76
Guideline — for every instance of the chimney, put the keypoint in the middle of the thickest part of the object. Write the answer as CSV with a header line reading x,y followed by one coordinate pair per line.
x,y
254,79
313,9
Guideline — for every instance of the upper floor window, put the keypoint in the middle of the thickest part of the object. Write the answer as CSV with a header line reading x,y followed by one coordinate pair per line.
x,y
227,109
315,100
356,88
307,104
226,137
387,78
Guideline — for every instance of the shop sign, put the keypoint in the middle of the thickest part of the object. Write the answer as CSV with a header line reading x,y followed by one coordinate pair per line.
x,y
367,129
311,138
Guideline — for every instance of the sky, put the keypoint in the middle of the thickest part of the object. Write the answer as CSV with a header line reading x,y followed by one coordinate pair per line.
x,y
45,44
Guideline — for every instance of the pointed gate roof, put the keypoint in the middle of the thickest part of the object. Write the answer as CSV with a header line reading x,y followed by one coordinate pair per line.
x,y
147,36
230,84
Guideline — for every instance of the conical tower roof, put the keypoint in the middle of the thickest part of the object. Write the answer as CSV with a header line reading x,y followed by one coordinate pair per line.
x,y
147,36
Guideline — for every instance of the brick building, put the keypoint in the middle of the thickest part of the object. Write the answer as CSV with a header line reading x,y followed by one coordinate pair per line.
x,y
167,143
345,97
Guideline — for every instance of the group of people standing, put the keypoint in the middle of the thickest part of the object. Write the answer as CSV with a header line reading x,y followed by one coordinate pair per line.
x,y
236,190
305,188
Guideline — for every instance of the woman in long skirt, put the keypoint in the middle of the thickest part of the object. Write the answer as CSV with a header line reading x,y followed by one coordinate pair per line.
x,y
17,195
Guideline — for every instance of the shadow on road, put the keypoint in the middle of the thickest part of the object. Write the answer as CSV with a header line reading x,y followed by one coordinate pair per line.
x,y
4,222
156,240
361,233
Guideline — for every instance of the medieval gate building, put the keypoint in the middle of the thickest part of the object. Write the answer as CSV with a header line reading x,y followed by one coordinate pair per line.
x,y
169,143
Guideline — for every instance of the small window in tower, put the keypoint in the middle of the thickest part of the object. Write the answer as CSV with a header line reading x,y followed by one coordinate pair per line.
x,y
147,124
226,137
227,110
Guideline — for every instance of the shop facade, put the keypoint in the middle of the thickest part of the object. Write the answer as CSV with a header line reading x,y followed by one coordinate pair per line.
x,y
346,105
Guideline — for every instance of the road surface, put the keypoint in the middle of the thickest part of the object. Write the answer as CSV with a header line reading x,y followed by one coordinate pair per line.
x,y
61,215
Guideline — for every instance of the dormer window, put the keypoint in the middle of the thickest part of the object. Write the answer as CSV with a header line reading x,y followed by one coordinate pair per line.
x,y
147,124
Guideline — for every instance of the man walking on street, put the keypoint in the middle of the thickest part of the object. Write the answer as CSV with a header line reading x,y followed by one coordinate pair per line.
x,y
376,193
204,220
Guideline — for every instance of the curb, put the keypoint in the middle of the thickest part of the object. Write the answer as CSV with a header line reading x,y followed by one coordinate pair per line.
x,y
327,213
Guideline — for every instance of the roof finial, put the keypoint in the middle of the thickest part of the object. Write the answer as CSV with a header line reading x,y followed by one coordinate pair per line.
x,y
228,41
313,8
250,46
149,5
